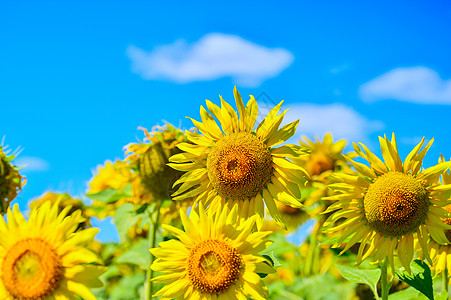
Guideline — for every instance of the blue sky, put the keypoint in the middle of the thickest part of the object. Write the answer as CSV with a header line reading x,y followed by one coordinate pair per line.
x,y
78,77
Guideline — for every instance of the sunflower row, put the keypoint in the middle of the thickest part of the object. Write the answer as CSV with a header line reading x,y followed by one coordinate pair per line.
x,y
211,197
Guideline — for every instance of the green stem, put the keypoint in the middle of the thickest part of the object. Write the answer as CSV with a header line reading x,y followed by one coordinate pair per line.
x,y
312,249
152,242
445,279
385,285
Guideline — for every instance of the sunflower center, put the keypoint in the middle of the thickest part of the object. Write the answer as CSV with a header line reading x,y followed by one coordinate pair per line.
x,y
289,210
239,166
318,163
396,204
232,165
213,266
31,269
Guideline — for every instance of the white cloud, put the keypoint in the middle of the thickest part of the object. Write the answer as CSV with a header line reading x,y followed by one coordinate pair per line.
x,y
32,164
340,120
214,56
417,84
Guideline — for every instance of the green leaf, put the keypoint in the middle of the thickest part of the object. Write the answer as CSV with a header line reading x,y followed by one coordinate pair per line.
x,y
113,271
108,251
280,247
125,218
147,216
111,195
368,277
269,262
442,296
127,289
138,255
318,287
270,259
407,294
142,208
420,278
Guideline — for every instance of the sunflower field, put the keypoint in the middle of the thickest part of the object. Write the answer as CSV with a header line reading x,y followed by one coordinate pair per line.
x,y
229,209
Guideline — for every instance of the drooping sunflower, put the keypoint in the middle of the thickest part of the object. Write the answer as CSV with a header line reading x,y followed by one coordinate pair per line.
x,y
153,178
43,258
389,204
11,181
236,164
216,257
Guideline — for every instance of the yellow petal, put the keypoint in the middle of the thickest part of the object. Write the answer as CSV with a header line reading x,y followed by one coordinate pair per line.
x,y
210,123
283,134
374,161
252,114
272,208
411,157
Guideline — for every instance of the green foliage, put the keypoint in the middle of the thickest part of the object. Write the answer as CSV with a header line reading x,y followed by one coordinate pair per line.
x,y
420,278
442,296
108,251
319,287
128,288
126,216
124,219
269,262
368,277
412,294
138,255
279,247
110,195
407,294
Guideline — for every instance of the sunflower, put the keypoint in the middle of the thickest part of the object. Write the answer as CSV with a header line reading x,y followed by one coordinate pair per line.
x,y
325,157
153,179
292,217
63,200
389,204
110,176
11,181
216,257
114,176
43,258
441,254
237,164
